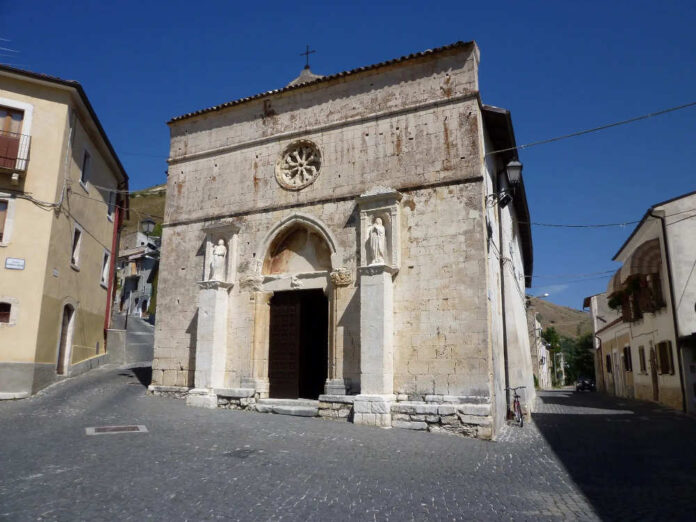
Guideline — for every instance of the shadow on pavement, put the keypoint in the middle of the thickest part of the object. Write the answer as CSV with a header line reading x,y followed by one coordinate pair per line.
x,y
143,374
631,459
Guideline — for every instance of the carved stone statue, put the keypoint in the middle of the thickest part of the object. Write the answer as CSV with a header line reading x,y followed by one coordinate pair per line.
x,y
378,242
217,264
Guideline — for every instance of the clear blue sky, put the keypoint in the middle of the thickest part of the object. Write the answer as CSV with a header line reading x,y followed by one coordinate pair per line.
x,y
558,66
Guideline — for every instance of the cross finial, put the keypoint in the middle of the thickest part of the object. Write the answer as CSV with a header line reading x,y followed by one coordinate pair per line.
x,y
306,55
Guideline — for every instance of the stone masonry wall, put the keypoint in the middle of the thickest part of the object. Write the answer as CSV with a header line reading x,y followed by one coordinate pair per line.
x,y
431,154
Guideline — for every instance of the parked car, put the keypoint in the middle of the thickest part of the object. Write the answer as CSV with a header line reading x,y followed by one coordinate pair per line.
x,y
585,383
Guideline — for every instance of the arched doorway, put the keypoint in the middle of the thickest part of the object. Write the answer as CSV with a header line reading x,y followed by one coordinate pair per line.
x,y
299,317
65,341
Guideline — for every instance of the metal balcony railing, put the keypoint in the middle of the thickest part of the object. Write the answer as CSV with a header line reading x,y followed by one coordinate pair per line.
x,y
14,151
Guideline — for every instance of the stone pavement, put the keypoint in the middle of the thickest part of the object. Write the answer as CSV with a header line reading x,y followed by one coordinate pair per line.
x,y
197,464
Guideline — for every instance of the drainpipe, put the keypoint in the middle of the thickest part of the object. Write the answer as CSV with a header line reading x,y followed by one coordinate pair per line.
x,y
671,300
601,361
111,289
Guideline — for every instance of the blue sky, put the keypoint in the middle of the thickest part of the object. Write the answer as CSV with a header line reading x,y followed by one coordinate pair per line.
x,y
558,66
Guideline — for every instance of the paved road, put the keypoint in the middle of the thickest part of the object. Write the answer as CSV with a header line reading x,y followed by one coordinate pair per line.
x,y
140,339
197,464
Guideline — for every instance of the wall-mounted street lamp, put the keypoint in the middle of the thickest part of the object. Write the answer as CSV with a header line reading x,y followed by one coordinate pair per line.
x,y
513,172
148,225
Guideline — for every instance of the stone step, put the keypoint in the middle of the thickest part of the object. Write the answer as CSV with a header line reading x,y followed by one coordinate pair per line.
x,y
299,411
289,402
297,407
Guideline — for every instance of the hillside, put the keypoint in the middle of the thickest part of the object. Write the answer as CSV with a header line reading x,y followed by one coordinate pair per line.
x,y
567,321
145,203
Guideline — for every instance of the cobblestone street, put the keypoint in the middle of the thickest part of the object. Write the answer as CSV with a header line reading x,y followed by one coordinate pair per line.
x,y
585,456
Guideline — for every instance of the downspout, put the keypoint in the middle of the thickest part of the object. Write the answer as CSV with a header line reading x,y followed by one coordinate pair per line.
x,y
111,289
674,309
601,361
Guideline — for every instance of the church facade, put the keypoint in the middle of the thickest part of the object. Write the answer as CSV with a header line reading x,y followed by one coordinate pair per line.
x,y
350,246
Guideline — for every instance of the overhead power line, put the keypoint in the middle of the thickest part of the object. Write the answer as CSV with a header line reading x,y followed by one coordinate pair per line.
x,y
595,129
600,225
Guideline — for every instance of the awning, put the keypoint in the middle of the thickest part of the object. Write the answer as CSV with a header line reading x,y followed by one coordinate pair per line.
x,y
646,259
615,283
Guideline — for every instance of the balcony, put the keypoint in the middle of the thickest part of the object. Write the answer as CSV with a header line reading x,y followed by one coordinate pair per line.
x,y
14,153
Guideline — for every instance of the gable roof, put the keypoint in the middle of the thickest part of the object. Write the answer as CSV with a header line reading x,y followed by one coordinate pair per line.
x,y
499,127
83,97
645,218
321,79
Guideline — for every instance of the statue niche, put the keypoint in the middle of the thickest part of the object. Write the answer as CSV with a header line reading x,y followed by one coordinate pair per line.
x,y
377,239
299,250
218,264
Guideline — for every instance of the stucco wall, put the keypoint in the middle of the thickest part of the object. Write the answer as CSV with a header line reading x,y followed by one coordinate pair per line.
x,y
43,237
31,227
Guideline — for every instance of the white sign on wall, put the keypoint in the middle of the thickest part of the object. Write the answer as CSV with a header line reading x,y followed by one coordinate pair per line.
x,y
14,263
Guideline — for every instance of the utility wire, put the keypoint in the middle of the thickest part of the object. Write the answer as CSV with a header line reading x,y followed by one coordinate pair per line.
x,y
595,129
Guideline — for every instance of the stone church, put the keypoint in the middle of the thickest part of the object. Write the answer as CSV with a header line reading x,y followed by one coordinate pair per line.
x,y
353,246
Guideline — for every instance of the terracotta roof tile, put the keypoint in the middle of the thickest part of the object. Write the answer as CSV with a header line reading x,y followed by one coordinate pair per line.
x,y
322,79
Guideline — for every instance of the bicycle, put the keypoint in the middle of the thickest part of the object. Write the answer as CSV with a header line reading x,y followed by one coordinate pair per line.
x,y
516,408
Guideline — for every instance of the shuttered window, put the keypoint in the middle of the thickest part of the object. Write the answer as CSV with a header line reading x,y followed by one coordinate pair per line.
x,y
628,362
3,216
608,363
5,309
641,359
665,359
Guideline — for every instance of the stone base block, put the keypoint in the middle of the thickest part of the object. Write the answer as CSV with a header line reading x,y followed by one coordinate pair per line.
x,y
335,387
202,399
373,410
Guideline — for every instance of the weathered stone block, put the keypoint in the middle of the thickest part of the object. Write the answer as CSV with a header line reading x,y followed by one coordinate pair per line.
x,y
410,425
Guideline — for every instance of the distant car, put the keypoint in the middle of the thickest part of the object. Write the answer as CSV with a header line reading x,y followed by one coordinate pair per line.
x,y
584,383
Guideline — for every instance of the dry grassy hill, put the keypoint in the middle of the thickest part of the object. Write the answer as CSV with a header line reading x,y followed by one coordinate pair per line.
x,y
567,321
145,203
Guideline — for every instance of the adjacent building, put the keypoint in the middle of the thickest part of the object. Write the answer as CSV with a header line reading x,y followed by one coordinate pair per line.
x,y
137,267
645,323
353,246
59,213
541,356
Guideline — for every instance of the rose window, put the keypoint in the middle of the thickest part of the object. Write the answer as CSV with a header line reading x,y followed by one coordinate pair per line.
x,y
299,165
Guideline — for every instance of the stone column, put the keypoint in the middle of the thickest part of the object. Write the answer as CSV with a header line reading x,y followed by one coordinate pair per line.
x,y
211,343
335,383
259,349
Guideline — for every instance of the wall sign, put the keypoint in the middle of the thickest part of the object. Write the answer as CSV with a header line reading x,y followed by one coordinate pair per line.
x,y
14,263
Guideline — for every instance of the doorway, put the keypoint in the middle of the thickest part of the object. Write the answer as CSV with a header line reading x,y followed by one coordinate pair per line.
x,y
65,342
298,344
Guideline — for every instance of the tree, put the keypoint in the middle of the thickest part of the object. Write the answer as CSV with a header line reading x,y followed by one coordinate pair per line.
x,y
579,355
553,343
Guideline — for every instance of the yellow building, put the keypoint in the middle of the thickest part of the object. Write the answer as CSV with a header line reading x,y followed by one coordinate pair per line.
x,y
59,218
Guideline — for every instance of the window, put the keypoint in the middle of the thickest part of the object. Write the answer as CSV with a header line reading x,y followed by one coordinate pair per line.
x,y
665,361
84,173
3,216
105,269
608,363
77,241
628,362
641,359
5,309
10,129
112,205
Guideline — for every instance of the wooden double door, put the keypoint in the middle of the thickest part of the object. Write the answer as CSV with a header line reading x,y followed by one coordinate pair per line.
x,y
298,344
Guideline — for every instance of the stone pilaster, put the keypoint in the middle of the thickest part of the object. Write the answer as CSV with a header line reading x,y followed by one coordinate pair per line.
x,y
372,406
211,343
